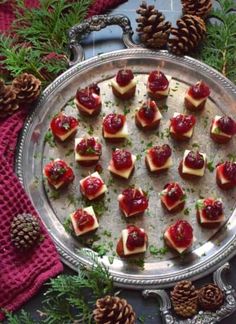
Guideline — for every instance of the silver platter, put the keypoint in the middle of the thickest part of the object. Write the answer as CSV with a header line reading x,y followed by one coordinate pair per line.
x,y
212,247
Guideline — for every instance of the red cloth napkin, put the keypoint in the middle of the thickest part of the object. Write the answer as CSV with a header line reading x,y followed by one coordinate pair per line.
x,y
22,275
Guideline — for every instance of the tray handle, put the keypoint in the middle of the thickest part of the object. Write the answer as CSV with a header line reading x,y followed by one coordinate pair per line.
x,y
96,23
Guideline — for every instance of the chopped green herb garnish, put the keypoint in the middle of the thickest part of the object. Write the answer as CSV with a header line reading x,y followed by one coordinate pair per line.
x,y
195,145
48,138
91,130
210,166
54,194
69,152
187,211
101,249
155,251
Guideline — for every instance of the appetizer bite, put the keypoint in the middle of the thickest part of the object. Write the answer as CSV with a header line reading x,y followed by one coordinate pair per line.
x,y
92,186
148,116
87,150
84,220
196,96
182,126
158,158
133,241
222,129
58,173
173,197
210,212
122,163
158,85
133,201
179,236
226,175
115,127
88,100
193,165
63,127
124,84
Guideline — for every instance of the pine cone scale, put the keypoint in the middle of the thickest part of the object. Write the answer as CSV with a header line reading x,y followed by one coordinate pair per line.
x,y
26,87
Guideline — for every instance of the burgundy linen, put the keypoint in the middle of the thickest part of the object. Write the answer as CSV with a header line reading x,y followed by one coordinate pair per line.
x,y
22,275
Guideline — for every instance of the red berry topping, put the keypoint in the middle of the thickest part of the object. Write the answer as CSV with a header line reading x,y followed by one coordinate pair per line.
x,y
89,146
229,171
227,125
148,111
112,123
181,233
58,171
194,160
160,154
134,200
122,159
62,124
173,193
199,90
83,219
212,209
136,237
92,185
89,97
183,123
157,81
124,77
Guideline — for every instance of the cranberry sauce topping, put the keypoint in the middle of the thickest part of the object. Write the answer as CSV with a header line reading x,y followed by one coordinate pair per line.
x,y
229,171
62,124
89,146
182,123
136,237
148,111
157,81
122,159
92,185
194,160
124,77
57,171
160,154
89,97
112,123
83,219
199,91
212,209
134,200
227,125
173,193
181,233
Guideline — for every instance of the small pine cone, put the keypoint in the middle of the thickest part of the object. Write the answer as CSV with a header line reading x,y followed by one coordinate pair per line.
x,y
27,87
200,8
184,299
152,28
210,297
25,231
188,36
8,102
110,310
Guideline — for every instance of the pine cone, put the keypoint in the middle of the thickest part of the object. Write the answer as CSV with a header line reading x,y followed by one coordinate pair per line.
x,y
153,30
27,87
189,34
200,8
184,298
110,310
8,102
25,231
210,297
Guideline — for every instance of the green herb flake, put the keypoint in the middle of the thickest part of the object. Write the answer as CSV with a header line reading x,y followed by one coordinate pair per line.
x,y
210,166
158,251
187,211
48,138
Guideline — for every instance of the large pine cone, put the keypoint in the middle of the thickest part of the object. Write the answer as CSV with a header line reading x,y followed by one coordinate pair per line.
x,y
188,36
200,8
152,28
184,298
113,310
8,102
27,87
210,297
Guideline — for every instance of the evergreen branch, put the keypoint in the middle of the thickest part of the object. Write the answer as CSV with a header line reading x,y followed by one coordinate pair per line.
x,y
22,318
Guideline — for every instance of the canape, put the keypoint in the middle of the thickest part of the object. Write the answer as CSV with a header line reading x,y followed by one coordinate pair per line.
x,y
179,236
196,96
133,241
148,116
84,220
87,150
122,163
226,175
158,158
158,85
210,212
88,100
133,201
58,173
182,126
115,127
173,197
63,127
92,186
124,84
193,165
222,129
